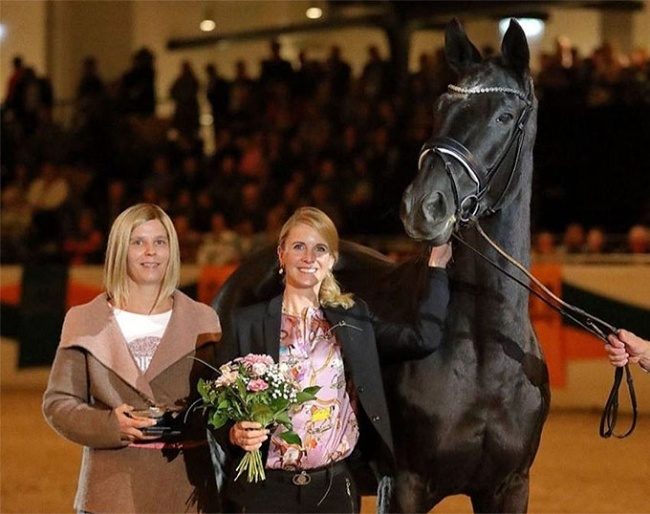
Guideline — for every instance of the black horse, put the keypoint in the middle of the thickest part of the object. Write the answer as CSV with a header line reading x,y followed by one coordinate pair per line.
x,y
477,407
467,419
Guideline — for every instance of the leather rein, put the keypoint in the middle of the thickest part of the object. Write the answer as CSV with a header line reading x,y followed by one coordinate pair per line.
x,y
468,209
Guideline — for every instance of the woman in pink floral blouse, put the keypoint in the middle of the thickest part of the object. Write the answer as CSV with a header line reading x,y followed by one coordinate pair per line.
x,y
329,339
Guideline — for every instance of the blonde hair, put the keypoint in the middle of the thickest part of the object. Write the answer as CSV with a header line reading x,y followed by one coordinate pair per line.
x,y
117,250
330,293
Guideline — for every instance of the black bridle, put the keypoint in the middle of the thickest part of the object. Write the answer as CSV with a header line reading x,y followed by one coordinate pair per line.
x,y
468,206
468,210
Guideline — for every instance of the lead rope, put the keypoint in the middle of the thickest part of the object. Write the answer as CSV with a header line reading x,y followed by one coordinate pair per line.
x,y
591,324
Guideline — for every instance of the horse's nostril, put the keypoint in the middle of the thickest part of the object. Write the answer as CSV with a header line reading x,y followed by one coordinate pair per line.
x,y
434,206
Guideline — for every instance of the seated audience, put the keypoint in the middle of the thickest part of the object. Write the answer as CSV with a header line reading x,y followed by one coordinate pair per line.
x,y
544,244
595,241
221,245
85,244
188,239
638,239
573,239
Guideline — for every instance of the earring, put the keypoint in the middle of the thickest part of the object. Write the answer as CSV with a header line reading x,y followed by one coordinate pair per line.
x,y
281,270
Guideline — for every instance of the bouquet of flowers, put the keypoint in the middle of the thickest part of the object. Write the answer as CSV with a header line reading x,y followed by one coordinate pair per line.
x,y
254,388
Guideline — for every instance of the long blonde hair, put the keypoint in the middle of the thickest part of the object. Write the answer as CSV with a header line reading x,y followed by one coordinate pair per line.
x,y
330,293
115,264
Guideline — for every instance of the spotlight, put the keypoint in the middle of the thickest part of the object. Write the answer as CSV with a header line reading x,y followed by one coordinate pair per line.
x,y
207,22
314,13
208,25
533,27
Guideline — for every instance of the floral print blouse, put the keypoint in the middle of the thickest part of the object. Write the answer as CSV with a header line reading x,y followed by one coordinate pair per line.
x,y
327,426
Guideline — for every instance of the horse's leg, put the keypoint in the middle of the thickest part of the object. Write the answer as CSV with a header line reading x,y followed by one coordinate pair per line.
x,y
510,497
410,493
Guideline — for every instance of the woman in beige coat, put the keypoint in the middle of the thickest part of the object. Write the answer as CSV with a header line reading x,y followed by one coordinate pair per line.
x,y
123,360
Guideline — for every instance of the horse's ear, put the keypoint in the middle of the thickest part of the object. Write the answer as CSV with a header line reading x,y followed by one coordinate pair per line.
x,y
514,47
459,50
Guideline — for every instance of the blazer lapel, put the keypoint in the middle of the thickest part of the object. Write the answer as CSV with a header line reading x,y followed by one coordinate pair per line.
x,y
271,329
361,357
348,334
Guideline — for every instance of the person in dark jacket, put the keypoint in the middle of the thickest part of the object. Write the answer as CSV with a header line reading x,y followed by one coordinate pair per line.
x,y
330,339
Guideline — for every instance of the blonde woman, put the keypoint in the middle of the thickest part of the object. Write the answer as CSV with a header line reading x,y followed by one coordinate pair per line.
x,y
122,363
327,338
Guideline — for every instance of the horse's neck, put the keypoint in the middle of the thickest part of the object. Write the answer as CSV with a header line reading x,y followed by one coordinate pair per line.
x,y
510,230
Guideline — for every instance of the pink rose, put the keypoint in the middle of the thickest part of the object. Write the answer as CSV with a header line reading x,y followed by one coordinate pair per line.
x,y
252,358
257,385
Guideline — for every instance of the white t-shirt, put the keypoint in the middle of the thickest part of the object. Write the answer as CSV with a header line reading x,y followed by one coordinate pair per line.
x,y
143,333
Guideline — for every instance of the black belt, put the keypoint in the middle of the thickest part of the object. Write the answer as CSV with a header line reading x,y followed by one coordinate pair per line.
x,y
307,476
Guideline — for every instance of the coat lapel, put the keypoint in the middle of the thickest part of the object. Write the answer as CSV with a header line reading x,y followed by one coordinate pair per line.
x,y
102,337
360,354
176,344
271,329
349,335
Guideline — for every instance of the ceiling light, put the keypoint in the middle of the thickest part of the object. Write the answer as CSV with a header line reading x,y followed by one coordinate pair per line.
x,y
208,25
314,13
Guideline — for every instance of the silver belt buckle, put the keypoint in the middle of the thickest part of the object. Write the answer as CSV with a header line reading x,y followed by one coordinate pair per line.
x,y
301,478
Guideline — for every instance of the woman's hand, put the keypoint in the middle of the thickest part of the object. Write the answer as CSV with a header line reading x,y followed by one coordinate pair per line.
x,y
130,424
625,347
248,435
440,255
616,352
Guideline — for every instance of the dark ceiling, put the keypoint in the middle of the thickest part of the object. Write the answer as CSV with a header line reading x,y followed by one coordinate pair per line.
x,y
429,14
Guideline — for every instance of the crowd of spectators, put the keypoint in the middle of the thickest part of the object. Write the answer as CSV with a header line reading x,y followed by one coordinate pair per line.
x,y
313,133
603,77
578,241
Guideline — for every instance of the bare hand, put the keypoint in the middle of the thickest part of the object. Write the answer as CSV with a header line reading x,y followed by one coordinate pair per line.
x,y
440,256
248,435
616,352
625,347
130,424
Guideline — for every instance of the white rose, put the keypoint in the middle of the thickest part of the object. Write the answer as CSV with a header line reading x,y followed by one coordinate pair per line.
x,y
259,368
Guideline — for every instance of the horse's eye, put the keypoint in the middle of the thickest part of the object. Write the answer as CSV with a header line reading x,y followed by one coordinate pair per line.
x,y
506,117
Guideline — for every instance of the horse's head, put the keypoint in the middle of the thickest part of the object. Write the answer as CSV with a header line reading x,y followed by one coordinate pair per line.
x,y
472,165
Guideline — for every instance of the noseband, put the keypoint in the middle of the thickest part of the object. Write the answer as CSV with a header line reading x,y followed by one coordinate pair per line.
x,y
467,207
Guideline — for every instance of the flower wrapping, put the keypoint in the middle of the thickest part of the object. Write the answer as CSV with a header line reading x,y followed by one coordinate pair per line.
x,y
254,388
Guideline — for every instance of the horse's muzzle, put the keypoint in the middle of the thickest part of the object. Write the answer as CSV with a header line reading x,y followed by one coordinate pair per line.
x,y
427,217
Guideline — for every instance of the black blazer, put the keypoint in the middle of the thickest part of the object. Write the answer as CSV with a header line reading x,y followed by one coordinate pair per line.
x,y
365,340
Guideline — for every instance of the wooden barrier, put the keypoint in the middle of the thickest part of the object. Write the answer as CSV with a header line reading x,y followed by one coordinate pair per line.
x,y
211,279
547,322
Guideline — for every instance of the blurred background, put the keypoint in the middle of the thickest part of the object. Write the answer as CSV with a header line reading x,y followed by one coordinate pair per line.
x,y
249,108
230,114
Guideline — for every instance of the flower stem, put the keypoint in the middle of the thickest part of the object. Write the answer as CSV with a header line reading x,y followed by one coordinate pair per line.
x,y
252,463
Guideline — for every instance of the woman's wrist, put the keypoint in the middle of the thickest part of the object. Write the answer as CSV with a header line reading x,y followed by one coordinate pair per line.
x,y
644,364
644,361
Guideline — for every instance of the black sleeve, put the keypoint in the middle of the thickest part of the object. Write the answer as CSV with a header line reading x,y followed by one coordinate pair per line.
x,y
398,342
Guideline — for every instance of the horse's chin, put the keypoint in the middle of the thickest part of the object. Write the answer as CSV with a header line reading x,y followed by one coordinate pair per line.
x,y
431,234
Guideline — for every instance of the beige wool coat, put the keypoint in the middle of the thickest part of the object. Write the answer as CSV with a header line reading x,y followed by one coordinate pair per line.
x,y
93,372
